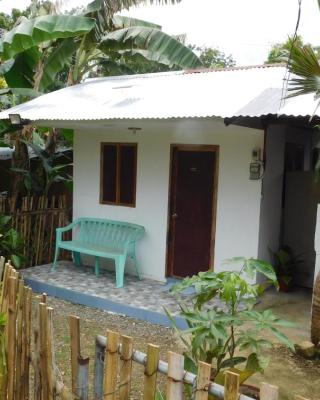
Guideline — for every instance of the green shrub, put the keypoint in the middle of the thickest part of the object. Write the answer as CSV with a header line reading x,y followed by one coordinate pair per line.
x,y
228,333
10,242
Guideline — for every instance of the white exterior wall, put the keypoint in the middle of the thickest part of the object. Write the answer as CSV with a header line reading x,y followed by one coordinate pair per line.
x,y
238,204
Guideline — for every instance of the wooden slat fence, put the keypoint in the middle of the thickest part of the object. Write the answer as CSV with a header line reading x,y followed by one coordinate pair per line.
x,y
28,344
36,220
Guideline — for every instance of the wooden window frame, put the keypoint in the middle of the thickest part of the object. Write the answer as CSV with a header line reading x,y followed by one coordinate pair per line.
x,y
118,147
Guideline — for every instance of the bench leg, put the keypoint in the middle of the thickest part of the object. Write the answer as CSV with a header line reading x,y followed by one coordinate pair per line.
x,y
76,258
137,267
56,255
97,266
120,264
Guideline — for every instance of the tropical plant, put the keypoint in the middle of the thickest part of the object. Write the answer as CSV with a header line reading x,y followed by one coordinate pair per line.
x,y
37,50
3,355
224,329
213,58
49,171
10,242
285,263
279,51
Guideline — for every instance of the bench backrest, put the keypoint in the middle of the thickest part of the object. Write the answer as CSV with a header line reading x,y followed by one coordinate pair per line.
x,y
113,234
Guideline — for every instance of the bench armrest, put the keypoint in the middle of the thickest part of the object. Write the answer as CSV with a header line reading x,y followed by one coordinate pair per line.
x,y
67,228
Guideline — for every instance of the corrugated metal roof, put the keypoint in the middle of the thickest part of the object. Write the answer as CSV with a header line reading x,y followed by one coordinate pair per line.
x,y
244,91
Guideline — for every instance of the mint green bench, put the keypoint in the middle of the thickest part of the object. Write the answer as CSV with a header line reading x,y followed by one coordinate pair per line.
x,y
101,238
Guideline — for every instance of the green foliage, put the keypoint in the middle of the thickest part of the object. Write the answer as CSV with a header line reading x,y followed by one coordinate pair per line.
x,y
50,171
213,58
279,52
285,262
31,33
10,242
304,63
229,333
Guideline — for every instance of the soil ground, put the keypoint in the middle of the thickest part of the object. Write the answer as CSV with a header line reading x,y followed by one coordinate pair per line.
x,y
290,372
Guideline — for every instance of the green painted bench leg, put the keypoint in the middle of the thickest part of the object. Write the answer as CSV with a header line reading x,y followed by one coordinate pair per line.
x,y
137,267
76,258
97,266
120,264
56,255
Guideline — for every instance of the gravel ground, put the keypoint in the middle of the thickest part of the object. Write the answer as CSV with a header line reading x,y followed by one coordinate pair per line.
x,y
95,322
290,372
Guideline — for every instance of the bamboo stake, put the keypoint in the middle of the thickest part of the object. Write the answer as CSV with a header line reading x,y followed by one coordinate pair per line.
x,y
297,397
83,379
36,356
126,367
98,370
13,285
203,381
231,386
49,359
2,260
3,365
19,327
43,318
26,339
43,298
268,392
111,366
4,300
150,372
74,324
175,376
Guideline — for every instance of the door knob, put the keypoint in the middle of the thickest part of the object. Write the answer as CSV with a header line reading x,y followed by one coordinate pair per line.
x,y
174,215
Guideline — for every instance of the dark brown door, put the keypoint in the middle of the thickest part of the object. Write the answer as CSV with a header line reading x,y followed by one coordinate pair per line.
x,y
193,174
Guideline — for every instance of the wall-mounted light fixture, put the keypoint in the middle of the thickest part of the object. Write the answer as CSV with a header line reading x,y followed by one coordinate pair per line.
x,y
134,129
17,121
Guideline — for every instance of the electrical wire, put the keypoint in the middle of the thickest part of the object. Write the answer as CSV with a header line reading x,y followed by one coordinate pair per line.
x,y
287,73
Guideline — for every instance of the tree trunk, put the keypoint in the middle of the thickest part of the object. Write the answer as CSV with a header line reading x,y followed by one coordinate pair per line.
x,y
20,159
315,313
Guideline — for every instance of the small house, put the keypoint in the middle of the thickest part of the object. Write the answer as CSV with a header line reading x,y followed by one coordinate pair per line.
x,y
213,163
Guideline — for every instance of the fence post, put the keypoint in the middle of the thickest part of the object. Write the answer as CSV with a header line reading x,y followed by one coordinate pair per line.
x,y
98,370
12,292
19,334
125,367
83,379
231,386
1,266
268,392
175,376
203,381
150,372
26,340
111,366
43,314
74,323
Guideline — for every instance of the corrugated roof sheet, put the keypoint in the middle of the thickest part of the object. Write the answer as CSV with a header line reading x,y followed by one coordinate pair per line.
x,y
244,91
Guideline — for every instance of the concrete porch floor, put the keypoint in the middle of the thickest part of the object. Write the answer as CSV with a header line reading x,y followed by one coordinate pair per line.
x,y
143,299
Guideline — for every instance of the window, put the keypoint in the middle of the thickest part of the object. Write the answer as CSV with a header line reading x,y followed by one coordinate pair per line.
x,y
118,174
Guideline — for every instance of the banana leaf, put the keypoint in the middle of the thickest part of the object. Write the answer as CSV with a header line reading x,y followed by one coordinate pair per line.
x,y
31,33
153,40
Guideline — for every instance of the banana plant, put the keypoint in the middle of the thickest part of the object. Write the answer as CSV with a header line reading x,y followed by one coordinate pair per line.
x,y
37,50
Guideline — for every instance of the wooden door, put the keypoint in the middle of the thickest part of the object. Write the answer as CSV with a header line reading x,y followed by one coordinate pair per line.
x,y
192,209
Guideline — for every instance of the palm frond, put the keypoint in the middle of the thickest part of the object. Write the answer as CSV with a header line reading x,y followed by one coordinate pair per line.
x,y
304,64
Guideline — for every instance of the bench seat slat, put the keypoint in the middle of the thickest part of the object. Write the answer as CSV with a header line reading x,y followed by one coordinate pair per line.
x,y
88,248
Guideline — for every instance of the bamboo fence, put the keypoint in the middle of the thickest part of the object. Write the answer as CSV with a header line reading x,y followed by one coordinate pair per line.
x,y
36,220
30,371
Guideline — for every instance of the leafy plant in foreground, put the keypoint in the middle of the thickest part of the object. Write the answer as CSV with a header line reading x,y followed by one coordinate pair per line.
x,y
10,242
224,329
